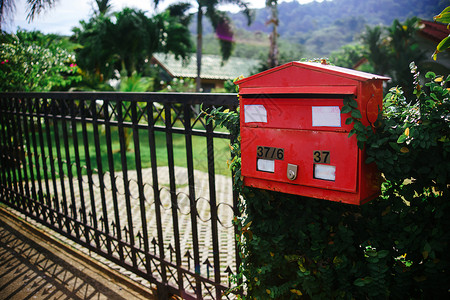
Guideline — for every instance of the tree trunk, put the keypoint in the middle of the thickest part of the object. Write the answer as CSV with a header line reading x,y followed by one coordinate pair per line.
x,y
199,47
273,54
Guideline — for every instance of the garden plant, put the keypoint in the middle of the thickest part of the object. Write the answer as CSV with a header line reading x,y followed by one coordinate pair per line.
x,y
395,246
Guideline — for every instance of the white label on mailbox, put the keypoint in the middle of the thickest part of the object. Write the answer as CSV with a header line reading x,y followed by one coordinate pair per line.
x,y
255,113
265,165
325,172
326,116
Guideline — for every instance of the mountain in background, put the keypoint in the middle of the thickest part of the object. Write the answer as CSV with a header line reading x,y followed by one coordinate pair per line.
x,y
318,28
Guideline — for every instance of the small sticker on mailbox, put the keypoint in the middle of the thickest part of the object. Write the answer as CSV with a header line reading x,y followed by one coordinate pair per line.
x,y
325,172
255,113
329,116
265,165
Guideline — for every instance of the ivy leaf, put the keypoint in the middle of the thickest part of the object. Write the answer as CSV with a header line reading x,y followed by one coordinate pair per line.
x,y
361,138
359,126
349,121
352,132
370,160
363,281
353,103
356,114
346,109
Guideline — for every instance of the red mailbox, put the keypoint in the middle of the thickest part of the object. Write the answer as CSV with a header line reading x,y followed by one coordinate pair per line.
x,y
294,138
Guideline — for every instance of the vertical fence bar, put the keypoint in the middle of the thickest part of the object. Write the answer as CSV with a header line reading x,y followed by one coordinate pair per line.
x,y
213,205
93,215
23,164
112,175
173,193
55,197
73,207
162,287
4,137
2,144
18,146
192,199
140,181
78,167
11,134
98,154
44,156
29,163
65,212
123,150
36,156
11,137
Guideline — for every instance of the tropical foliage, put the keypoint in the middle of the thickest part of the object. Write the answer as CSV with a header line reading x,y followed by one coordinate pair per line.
x,y
388,51
221,23
31,61
34,7
127,42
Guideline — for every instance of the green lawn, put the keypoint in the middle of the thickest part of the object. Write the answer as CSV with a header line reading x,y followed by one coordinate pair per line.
x,y
221,150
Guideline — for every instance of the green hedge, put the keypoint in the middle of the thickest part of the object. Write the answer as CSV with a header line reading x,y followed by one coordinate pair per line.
x,y
396,246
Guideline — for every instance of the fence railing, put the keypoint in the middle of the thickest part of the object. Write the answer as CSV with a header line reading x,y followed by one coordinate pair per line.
x,y
138,178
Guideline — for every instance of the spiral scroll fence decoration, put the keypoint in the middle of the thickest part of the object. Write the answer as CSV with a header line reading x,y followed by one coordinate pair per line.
x,y
100,169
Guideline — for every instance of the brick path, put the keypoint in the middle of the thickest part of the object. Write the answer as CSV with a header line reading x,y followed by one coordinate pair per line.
x,y
224,208
35,266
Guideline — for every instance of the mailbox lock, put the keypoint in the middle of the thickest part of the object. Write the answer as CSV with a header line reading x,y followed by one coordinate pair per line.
x,y
291,171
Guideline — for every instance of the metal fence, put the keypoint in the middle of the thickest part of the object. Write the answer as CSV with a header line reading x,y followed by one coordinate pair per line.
x,y
130,176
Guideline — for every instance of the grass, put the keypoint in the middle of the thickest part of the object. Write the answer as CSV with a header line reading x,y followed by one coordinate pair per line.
x,y
221,150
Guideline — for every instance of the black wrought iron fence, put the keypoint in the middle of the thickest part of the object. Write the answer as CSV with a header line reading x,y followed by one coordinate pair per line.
x,y
138,178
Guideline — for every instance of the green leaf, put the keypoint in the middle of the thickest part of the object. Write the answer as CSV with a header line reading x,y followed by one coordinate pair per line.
x,y
401,139
359,126
361,138
346,109
444,44
360,145
370,160
430,75
444,16
349,121
352,132
356,114
383,253
362,281
353,103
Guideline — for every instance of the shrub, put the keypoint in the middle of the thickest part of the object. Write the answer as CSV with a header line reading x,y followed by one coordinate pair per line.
x,y
396,246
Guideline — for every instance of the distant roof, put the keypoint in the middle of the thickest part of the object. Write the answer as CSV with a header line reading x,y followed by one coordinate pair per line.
x,y
434,31
212,67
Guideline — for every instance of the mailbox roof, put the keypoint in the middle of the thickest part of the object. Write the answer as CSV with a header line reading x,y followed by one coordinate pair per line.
x,y
307,77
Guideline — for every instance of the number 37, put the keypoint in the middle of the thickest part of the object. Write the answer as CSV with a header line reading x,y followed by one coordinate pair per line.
x,y
322,157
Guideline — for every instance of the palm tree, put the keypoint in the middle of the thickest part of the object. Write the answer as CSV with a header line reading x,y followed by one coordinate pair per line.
x,y
128,42
273,52
104,6
221,24
35,7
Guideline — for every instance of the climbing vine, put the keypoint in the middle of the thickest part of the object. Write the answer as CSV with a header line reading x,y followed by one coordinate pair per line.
x,y
395,246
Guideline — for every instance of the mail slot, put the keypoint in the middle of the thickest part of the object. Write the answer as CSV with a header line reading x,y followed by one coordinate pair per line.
x,y
293,135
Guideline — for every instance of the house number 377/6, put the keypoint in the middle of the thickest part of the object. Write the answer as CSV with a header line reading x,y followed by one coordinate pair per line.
x,y
321,157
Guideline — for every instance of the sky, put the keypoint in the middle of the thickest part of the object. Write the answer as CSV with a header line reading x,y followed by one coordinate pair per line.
x,y
67,13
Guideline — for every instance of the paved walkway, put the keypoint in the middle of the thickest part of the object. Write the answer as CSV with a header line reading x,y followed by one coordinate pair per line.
x,y
224,204
35,266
